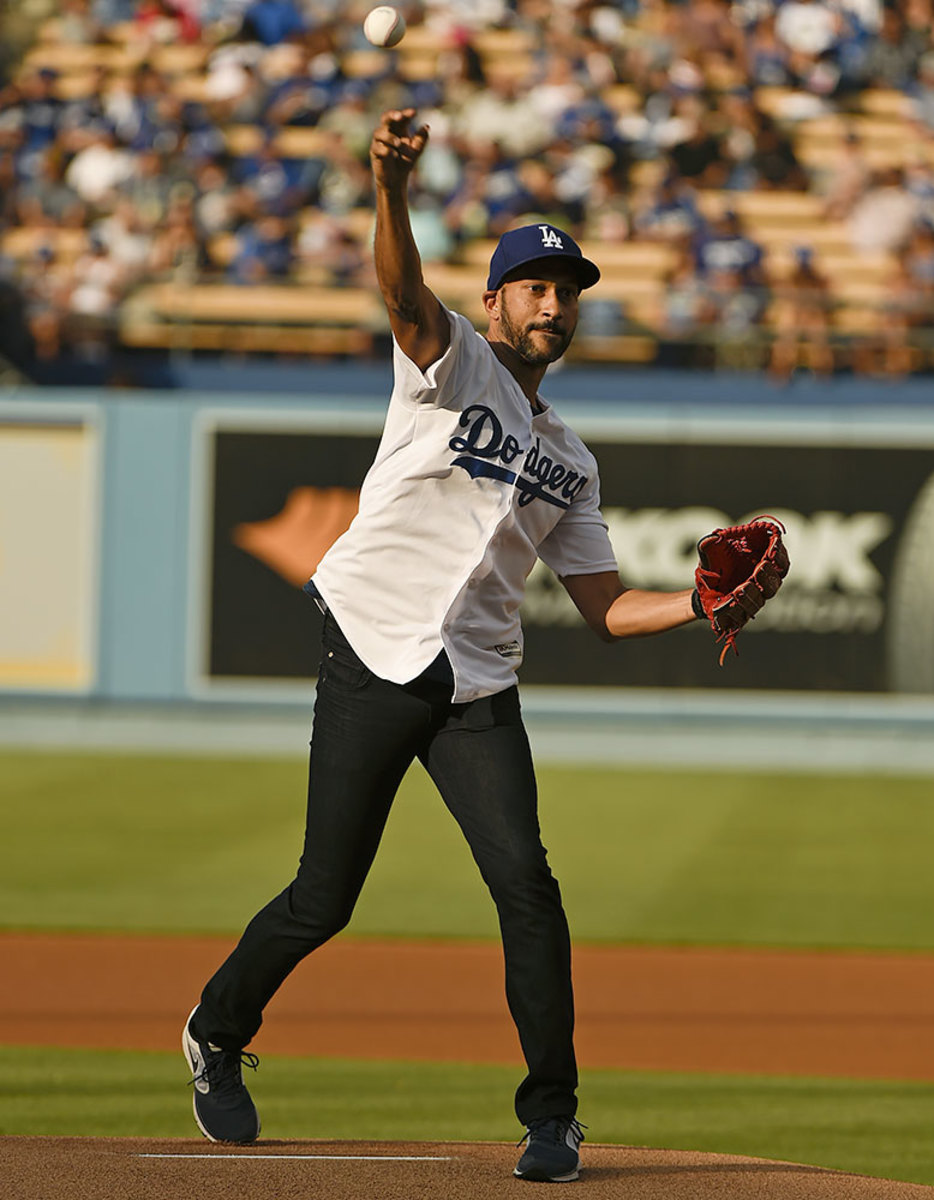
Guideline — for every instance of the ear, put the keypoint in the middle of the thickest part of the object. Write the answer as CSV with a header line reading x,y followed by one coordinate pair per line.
x,y
491,304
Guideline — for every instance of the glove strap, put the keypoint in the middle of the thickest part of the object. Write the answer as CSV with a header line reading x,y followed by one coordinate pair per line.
x,y
697,606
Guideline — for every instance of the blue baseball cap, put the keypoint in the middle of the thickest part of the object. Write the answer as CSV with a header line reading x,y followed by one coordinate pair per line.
x,y
517,247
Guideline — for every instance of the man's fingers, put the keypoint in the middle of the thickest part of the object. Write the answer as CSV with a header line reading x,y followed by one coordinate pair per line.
x,y
397,119
386,143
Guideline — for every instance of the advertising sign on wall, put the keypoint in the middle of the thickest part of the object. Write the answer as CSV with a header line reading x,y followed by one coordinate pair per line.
x,y
48,554
856,613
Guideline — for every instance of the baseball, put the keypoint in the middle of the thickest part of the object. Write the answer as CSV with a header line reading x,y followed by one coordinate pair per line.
x,y
384,26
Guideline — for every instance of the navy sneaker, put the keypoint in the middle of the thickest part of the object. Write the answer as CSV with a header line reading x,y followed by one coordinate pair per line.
x,y
552,1153
223,1108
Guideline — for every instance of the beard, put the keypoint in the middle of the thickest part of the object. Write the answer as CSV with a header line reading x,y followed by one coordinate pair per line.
x,y
521,339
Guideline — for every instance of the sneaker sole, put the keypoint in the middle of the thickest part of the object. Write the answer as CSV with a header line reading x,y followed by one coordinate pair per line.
x,y
186,1050
535,1176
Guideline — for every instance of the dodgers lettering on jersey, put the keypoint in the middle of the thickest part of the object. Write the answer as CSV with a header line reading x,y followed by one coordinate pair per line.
x,y
539,478
467,490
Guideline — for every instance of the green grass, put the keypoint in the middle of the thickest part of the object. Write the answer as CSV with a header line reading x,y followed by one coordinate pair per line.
x,y
137,843
881,1129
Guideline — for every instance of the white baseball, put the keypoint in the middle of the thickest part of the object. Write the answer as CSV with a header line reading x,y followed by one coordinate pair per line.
x,y
384,26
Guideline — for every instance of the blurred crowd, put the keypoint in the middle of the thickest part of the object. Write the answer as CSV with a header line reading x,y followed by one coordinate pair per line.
x,y
143,168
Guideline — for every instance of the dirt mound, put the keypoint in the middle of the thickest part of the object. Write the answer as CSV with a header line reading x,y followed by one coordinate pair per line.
x,y
104,1168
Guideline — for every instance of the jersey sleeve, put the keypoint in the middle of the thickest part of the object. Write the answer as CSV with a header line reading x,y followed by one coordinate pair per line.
x,y
580,543
440,384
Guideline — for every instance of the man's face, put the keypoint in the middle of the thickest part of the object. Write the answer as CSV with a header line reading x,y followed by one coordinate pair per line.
x,y
537,316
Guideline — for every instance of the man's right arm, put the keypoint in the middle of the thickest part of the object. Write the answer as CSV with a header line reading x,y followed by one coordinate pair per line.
x,y
419,323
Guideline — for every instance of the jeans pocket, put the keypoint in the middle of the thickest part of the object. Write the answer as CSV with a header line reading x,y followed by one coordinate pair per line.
x,y
340,664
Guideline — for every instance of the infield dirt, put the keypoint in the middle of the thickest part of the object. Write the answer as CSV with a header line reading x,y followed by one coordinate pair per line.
x,y
868,1016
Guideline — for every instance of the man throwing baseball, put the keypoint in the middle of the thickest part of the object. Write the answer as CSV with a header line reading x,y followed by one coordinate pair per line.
x,y
475,478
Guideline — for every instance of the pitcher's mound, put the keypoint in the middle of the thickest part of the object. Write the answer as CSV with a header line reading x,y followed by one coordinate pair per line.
x,y
144,1169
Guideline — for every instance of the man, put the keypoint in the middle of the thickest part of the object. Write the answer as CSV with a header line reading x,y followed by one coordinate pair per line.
x,y
475,478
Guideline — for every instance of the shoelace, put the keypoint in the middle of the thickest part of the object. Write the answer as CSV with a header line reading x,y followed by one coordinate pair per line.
x,y
559,1129
223,1071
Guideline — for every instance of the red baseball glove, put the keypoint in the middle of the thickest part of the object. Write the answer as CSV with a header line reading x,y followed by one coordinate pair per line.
x,y
740,568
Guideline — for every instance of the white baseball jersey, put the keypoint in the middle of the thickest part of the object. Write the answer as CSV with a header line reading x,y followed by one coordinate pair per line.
x,y
467,489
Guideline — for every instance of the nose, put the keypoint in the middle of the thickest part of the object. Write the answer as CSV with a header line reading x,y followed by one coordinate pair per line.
x,y
551,305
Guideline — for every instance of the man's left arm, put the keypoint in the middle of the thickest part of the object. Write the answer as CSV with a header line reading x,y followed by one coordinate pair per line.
x,y
613,611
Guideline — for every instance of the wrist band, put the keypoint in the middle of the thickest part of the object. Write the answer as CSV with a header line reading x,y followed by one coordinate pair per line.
x,y
697,606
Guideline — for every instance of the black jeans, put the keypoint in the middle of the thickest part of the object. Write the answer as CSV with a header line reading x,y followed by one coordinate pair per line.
x,y
367,731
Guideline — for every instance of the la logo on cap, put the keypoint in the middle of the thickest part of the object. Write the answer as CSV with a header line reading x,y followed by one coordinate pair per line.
x,y
550,238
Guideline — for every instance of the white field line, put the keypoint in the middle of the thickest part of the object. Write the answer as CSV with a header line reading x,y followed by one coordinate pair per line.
x,y
324,1157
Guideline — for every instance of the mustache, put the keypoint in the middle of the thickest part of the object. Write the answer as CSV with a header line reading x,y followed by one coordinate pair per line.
x,y
549,327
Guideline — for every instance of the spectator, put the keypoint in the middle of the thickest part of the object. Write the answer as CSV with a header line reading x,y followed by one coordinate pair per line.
x,y
47,287
350,116
707,25
731,313
76,24
230,67
133,110
177,250
699,156
559,90
273,21
98,286
127,238
740,122
441,167
773,163
919,263
724,249
16,343
46,200
809,28
9,189
921,105
846,180
328,253
768,58
803,311
165,22
892,56
150,184
216,204
918,178
87,110
264,250
607,213
432,236
345,182
307,93
40,109
672,216
506,115
263,175
889,349
883,219
575,181
98,169
813,31
684,303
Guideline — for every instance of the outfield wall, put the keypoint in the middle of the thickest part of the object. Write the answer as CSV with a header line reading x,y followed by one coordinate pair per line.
x,y
153,544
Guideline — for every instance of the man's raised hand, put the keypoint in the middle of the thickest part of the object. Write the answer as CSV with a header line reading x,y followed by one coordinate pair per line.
x,y
394,149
